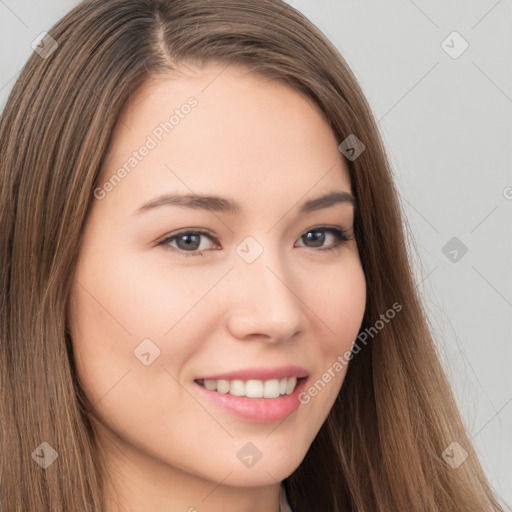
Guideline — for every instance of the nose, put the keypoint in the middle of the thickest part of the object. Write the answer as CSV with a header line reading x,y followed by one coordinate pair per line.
x,y
265,300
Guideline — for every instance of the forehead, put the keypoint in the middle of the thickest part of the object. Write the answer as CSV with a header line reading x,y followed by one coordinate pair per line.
x,y
226,131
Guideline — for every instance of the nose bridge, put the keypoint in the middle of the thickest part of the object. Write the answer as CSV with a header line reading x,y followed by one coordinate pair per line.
x,y
265,300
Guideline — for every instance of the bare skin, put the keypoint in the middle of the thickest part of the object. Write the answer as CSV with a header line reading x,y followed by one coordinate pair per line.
x,y
268,148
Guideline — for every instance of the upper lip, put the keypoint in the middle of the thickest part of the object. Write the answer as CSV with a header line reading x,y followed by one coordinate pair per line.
x,y
260,373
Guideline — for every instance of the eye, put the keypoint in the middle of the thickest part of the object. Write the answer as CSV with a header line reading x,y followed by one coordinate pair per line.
x,y
187,241
191,241
318,236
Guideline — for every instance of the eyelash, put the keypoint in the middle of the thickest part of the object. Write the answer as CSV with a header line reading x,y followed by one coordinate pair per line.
x,y
342,235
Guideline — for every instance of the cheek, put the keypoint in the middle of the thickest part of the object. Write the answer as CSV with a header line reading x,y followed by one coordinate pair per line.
x,y
121,296
149,297
123,309
340,306
127,372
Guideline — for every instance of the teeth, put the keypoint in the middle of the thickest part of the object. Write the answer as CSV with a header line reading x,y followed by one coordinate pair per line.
x,y
237,388
290,385
221,385
270,388
252,388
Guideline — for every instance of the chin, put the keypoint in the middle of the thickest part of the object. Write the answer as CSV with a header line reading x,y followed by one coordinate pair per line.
x,y
263,472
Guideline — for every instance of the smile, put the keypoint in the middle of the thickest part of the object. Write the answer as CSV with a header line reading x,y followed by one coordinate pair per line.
x,y
259,401
253,388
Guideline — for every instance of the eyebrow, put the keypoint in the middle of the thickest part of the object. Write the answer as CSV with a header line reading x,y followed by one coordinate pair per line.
x,y
223,205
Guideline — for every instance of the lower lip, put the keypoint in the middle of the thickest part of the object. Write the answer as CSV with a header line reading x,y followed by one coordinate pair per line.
x,y
259,410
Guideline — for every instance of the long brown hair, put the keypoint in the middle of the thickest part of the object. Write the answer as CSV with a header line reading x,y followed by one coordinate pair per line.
x,y
381,447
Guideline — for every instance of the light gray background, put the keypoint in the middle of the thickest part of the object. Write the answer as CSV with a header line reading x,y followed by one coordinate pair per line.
x,y
447,125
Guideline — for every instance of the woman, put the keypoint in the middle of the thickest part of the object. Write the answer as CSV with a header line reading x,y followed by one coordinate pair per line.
x,y
172,336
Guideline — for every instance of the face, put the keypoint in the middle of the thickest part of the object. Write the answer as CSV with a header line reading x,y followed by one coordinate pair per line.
x,y
172,297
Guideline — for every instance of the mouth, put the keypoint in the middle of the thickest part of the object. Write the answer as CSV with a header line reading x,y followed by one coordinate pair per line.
x,y
254,400
252,388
